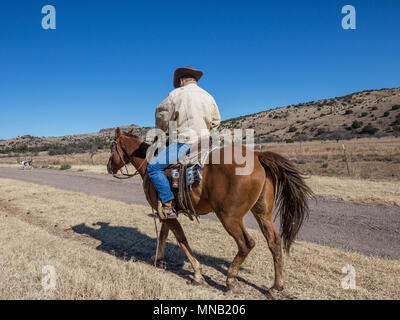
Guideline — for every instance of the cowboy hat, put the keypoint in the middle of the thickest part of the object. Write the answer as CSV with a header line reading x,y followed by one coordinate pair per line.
x,y
187,71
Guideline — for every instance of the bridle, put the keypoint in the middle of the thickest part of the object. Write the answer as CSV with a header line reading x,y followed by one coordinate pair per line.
x,y
126,175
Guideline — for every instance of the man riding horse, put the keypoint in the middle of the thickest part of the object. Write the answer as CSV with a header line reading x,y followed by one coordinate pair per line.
x,y
273,185
193,111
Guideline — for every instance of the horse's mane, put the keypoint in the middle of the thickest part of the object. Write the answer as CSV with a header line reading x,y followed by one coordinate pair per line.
x,y
131,135
141,151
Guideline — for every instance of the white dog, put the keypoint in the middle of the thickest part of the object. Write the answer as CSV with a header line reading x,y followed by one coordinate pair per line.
x,y
26,164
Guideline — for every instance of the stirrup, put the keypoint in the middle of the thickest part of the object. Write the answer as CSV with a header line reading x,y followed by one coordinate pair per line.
x,y
169,213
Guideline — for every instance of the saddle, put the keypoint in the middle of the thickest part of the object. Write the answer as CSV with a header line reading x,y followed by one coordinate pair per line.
x,y
183,176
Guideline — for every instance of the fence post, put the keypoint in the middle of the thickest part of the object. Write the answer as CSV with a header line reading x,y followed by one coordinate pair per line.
x,y
345,159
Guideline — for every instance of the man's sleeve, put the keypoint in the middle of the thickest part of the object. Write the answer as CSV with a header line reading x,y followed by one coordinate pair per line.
x,y
163,114
216,117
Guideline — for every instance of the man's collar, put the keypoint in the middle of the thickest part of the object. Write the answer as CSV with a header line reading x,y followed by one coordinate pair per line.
x,y
189,83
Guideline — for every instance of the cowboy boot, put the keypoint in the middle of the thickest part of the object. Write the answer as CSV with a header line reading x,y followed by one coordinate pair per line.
x,y
169,211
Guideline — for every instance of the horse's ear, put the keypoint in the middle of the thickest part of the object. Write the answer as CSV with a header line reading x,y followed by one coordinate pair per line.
x,y
117,133
130,131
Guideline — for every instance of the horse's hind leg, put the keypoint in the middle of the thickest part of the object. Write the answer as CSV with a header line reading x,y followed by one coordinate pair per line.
x,y
235,227
262,211
176,228
163,238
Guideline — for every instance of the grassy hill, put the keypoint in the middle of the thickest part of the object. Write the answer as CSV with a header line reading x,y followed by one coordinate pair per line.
x,y
362,114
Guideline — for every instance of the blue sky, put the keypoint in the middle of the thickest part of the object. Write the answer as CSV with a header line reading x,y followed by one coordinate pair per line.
x,y
110,63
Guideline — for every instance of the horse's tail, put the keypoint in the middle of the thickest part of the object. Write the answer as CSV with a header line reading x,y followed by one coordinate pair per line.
x,y
291,193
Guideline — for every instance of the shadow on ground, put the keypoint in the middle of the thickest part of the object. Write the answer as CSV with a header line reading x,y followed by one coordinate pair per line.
x,y
129,244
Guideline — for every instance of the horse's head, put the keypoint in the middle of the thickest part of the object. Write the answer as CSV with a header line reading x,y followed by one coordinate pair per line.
x,y
124,147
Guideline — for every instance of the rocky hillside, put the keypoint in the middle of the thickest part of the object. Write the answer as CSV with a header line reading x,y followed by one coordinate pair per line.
x,y
79,143
368,113
124,128
373,113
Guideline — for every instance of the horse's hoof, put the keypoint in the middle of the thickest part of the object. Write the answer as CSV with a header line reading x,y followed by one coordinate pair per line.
x,y
231,284
274,292
277,287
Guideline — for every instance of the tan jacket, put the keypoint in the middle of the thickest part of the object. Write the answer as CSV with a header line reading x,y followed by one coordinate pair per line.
x,y
193,110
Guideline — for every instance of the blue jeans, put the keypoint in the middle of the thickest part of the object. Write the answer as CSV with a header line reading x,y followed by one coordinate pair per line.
x,y
170,155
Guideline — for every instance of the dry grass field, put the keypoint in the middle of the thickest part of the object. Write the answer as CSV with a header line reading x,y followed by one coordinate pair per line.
x,y
44,160
100,250
374,166
368,158
356,190
78,162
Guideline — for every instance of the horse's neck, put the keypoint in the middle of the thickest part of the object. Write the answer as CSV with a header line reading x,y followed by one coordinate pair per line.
x,y
140,165
140,160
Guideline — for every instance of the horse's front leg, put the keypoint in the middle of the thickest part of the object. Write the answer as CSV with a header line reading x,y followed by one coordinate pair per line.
x,y
163,239
176,228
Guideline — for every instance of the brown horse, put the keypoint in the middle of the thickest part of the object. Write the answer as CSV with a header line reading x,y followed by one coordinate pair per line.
x,y
274,180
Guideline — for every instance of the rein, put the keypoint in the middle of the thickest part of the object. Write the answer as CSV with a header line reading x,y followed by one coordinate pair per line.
x,y
128,176
125,175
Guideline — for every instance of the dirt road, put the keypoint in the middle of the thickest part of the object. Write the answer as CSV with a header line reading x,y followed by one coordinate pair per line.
x,y
366,228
